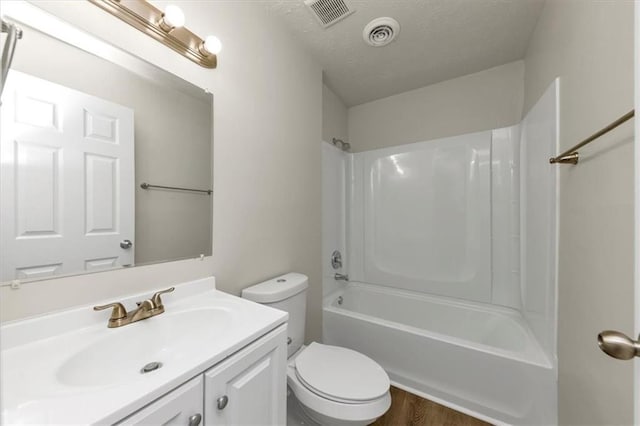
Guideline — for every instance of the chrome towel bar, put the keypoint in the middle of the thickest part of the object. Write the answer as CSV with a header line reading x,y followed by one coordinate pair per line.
x,y
145,185
571,155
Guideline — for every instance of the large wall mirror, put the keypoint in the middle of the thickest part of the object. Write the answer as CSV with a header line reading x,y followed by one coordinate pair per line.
x,y
83,126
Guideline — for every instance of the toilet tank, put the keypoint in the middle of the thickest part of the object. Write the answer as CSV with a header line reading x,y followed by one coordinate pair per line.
x,y
288,293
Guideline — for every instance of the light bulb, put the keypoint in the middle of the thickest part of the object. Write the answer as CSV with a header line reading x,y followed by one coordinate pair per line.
x,y
173,17
212,45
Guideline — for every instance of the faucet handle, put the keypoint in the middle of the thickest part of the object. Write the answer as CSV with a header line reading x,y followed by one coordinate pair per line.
x,y
118,312
157,302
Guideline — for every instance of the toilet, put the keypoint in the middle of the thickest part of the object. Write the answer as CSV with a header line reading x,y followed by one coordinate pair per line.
x,y
333,385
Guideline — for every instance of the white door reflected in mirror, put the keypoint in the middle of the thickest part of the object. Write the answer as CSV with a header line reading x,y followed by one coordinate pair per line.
x,y
66,188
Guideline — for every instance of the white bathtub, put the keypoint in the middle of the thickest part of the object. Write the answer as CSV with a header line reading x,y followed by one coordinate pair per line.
x,y
479,359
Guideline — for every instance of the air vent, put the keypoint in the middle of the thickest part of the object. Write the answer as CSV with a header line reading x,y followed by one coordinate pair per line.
x,y
381,31
329,12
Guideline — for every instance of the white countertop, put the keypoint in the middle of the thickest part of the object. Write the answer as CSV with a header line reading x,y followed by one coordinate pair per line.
x,y
64,368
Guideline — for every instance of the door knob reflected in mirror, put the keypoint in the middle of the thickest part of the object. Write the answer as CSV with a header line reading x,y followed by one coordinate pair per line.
x,y
195,420
126,244
618,345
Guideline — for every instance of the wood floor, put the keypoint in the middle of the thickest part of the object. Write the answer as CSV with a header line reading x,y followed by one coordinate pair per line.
x,y
411,410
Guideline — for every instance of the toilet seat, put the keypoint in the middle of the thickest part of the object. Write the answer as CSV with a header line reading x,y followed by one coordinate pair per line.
x,y
340,374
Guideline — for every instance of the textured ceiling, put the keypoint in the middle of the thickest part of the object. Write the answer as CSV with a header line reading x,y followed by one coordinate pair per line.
x,y
438,40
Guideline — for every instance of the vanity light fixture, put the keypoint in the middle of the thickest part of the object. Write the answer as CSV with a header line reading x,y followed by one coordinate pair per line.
x,y
165,26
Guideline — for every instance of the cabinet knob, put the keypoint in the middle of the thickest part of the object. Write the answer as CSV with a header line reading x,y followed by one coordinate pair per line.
x,y
222,402
195,420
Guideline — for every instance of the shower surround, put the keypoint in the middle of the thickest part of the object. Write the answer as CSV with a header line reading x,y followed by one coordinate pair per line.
x,y
451,251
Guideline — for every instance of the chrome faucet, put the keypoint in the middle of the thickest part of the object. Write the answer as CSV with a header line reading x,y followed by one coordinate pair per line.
x,y
341,277
146,309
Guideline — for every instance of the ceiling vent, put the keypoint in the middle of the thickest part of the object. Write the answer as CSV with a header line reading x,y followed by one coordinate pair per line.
x,y
381,31
329,12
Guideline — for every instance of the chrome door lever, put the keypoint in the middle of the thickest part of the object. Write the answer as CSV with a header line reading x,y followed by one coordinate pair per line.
x,y
619,345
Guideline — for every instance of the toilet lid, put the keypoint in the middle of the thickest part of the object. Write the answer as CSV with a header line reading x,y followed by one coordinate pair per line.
x,y
341,374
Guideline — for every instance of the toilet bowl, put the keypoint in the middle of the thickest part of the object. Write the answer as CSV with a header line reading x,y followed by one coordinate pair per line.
x,y
333,385
338,386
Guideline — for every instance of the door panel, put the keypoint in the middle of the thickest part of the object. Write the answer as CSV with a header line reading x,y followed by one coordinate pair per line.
x,y
101,174
179,407
250,387
37,183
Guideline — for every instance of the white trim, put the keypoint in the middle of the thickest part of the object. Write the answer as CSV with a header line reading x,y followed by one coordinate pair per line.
x,y
637,211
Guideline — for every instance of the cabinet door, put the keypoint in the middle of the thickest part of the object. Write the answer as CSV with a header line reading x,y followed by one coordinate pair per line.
x,y
250,387
180,407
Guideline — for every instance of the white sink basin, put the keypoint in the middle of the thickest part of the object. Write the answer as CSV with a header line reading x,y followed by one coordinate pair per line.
x,y
120,355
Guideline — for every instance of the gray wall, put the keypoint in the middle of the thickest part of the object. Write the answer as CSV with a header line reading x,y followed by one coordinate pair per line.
x,y
485,100
334,116
589,45
172,144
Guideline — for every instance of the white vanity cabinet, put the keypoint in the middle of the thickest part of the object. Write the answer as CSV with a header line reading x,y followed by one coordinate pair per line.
x,y
250,387
247,388
210,345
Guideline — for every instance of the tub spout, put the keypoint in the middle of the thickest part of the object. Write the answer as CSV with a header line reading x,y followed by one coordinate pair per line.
x,y
341,277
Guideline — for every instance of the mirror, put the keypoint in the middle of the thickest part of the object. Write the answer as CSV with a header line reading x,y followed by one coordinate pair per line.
x,y
77,143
